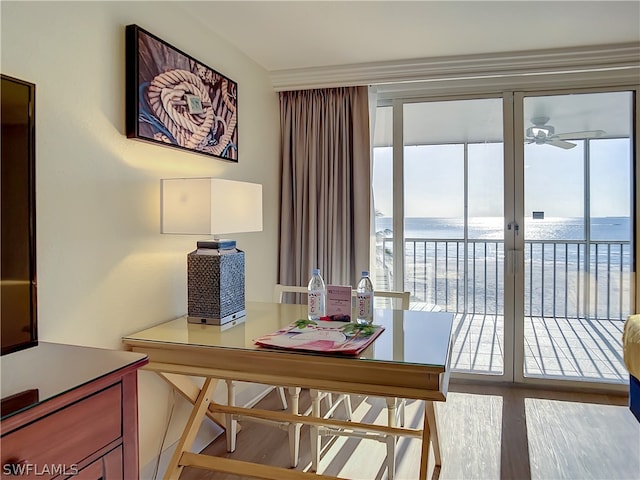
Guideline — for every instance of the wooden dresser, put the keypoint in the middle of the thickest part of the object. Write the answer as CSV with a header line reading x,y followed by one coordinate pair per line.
x,y
69,411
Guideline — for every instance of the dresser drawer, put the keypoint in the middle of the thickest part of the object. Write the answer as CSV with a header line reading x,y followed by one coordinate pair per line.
x,y
54,444
109,466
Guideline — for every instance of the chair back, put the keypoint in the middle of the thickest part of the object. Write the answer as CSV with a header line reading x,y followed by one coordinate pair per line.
x,y
279,291
404,297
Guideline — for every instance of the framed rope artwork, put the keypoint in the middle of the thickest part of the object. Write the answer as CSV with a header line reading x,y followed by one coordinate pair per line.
x,y
173,99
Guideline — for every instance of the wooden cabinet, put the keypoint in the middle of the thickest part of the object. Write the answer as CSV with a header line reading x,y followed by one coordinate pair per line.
x,y
86,427
107,467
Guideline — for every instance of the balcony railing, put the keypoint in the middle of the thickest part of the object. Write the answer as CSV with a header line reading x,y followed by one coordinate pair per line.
x,y
568,279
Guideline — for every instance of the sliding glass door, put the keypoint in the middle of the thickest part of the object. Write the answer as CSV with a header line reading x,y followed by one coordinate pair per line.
x,y
577,238
514,212
441,210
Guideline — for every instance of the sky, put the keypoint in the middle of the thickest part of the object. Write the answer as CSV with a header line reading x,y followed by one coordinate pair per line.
x,y
554,180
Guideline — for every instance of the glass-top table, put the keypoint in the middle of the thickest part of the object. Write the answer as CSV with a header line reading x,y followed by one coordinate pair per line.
x,y
414,337
410,359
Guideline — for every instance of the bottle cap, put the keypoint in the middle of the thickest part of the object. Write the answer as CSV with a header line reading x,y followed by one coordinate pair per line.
x,y
365,273
315,271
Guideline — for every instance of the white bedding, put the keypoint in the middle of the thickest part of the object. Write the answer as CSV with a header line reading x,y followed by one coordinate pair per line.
x,y
631,345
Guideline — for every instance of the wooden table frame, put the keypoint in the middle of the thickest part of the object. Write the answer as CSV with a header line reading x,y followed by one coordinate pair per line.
x,y
275,367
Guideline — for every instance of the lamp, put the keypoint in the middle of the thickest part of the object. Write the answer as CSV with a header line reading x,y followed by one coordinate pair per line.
x,y
215,270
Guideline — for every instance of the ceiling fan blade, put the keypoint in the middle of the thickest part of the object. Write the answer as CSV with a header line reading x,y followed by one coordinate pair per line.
x,y
561,144
579,135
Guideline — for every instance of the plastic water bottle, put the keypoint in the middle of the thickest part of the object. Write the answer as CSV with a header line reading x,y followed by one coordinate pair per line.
x,y
364,298
316,293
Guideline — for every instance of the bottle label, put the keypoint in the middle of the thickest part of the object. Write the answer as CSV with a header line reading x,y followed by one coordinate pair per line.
x,y
365,307
314,302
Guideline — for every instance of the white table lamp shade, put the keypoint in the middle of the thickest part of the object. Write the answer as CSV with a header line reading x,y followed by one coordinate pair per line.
x,y
210,206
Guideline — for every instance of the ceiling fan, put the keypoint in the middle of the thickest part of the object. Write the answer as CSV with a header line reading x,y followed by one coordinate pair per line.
x,y
541,133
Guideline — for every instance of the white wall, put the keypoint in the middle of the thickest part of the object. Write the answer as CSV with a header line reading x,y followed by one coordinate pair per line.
x,y
104,270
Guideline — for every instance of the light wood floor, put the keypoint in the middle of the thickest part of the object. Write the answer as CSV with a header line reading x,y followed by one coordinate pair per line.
x,y
487,432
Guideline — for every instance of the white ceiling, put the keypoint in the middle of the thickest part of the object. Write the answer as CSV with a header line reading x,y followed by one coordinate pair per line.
x,y
300,34
283,35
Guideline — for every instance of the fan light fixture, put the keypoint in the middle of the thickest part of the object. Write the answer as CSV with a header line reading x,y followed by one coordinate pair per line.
x,y
545,131
542,134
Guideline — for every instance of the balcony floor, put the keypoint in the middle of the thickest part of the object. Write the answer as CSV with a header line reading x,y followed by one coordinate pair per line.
x,y
560,348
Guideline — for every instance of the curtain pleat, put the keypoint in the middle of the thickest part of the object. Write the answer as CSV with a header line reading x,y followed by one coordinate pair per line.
x,y
325,186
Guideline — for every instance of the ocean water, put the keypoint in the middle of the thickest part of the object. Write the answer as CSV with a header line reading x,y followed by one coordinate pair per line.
x,y
562,276
491,228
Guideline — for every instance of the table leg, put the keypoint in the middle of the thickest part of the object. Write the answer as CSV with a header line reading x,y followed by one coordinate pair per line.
x,y
294,428
191,428
189,390
283,398
347,406
315,437
424,452
231,424
391,411
391,439
433,422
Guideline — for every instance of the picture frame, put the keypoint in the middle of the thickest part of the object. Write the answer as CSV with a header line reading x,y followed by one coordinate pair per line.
x,y
172,99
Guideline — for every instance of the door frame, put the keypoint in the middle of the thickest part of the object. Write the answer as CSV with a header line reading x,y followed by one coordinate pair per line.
x,y
519,138
513,171
397,105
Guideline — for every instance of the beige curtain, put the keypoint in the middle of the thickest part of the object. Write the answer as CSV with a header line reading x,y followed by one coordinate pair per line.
x,y
326,185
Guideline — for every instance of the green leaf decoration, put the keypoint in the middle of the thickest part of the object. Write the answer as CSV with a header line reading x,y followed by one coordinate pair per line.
x,y
304,323
363,330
